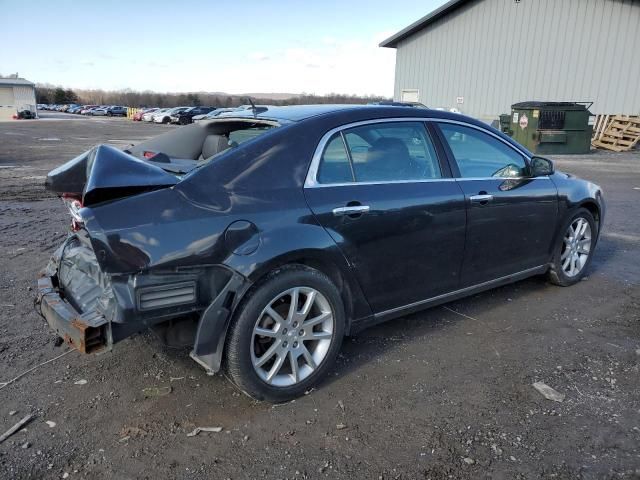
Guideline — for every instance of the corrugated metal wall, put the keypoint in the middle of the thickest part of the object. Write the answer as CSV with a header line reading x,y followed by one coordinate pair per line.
x,y
25,96
494,53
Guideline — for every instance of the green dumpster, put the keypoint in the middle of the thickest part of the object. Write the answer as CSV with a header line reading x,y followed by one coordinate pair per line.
x,y
552,127
505,124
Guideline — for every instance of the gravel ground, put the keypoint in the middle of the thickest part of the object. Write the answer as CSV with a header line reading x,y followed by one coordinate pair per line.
x,y
446,393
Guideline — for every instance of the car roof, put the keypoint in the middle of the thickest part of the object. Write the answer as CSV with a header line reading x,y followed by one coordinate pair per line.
x,y
298,113
347,113
291,113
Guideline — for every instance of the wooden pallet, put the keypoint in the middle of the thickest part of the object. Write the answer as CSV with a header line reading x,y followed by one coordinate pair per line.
x,y
600,125
619,133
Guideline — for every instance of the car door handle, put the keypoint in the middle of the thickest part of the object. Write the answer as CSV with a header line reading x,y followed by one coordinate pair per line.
x,y
353,210
482,198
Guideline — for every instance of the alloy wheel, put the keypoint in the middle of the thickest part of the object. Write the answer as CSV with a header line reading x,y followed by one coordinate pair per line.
x,y
292,336
576,247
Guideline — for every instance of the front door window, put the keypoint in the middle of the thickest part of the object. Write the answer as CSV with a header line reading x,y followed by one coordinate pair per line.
x,y
479,155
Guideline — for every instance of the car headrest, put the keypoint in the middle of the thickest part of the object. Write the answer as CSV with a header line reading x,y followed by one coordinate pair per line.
x,y
386,146
214,144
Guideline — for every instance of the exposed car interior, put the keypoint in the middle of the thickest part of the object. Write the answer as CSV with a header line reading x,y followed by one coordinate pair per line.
x,y
180,151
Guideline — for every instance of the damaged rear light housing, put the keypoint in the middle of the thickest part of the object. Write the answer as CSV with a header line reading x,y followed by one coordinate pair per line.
x,y
74,204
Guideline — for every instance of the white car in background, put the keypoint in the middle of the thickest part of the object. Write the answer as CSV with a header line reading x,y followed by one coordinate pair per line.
x,y
165,116
87,109
148,116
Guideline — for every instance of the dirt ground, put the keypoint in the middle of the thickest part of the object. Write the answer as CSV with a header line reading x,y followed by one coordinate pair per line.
x,y
446,393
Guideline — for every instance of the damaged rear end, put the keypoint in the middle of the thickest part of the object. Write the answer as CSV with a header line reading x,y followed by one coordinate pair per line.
x,y
151,239
75,296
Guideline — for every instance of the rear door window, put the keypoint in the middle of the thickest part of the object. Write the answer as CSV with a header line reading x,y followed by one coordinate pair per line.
x,y
395,151
379,152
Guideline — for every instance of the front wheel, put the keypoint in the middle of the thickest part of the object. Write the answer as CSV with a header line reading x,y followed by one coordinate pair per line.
x,y
573,253
286,334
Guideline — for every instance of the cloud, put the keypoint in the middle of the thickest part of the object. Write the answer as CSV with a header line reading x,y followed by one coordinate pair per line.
x,y
329,41
258,57
349,65
331,66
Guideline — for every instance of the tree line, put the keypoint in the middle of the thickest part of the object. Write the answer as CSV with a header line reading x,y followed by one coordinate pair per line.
x,y
57,95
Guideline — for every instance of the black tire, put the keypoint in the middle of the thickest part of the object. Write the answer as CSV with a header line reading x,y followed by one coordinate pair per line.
x,y
556,274
166,120
184,121
237,363
109,114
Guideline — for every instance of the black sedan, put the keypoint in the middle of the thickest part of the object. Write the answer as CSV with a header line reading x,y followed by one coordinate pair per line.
x,y
260,238
186,117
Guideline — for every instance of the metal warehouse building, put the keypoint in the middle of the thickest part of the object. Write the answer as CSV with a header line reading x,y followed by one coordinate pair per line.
x,y
482,56
16,93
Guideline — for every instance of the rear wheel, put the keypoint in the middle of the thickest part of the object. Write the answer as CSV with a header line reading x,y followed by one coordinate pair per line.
x,y
286,334
574,250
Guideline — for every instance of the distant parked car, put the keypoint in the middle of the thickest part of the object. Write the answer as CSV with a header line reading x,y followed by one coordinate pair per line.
x,y
186,116
137,117
165,117
25,113
214,113
117,111
148,117
99,112
87,109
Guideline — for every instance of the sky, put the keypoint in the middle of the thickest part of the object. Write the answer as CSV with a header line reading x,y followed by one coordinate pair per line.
x,y
241,46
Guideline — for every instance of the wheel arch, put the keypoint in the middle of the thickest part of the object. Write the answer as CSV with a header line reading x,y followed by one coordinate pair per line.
x,y
594,210
340,275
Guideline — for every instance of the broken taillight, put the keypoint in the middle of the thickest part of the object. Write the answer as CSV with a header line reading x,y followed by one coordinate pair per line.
x,y
74,204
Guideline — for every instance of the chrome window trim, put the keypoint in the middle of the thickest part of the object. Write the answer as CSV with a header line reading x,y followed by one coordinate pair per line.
x,y
469,179
389,182
481,129
311,178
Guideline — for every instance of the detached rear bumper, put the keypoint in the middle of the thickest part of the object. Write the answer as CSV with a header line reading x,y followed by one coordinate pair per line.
x,y
88,333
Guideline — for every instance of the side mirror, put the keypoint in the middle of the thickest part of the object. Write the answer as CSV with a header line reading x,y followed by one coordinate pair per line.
x,y
541,166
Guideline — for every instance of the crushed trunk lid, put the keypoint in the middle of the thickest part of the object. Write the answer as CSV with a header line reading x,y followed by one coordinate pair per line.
x,y
106,173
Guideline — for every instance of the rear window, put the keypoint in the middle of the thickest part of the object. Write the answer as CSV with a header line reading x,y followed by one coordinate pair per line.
x,y
232,139
241,136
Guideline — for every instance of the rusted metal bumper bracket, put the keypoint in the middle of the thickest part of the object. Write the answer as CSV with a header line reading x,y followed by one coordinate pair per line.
x,y
86,332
